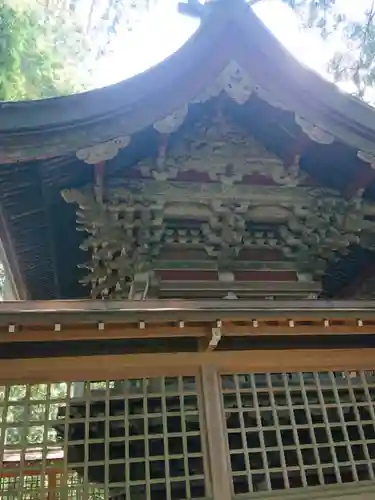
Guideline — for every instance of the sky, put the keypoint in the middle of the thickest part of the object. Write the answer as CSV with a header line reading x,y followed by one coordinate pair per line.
x,y
164,30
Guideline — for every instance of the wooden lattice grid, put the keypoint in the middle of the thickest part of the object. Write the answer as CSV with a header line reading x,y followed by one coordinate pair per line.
x,y
56,486
298,430
96,440
147,439
31,485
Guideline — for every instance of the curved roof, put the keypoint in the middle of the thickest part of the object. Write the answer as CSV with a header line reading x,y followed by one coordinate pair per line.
x,y
230,31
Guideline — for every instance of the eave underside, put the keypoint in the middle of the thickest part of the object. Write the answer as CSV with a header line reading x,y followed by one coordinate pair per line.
x,y
41,229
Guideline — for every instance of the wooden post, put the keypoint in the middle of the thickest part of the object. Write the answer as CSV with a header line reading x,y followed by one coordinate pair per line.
x,y
214,428
52,485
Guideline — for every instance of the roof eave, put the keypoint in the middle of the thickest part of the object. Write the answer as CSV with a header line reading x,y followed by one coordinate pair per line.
x,y
63,125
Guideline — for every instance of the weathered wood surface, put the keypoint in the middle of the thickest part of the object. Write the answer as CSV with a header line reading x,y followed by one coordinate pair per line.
x,y
120,367
65,308
148,320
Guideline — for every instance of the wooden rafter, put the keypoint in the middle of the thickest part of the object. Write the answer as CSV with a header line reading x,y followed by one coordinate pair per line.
x,y
8,258
50,238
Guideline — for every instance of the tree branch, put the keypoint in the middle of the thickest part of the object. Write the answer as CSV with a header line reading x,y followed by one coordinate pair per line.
x,y
364,39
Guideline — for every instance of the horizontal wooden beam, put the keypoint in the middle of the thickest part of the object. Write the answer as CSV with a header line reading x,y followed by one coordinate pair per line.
x,y
90,311
144,331
39,370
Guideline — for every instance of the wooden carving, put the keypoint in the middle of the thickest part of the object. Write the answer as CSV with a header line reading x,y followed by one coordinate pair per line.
x,y
223,153
325,229
222,211
126,232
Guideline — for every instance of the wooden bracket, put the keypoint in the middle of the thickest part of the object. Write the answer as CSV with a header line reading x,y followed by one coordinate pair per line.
x,y
212,338
215,338
139,287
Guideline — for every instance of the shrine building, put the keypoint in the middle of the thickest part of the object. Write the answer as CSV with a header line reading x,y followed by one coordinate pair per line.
x,y
190,258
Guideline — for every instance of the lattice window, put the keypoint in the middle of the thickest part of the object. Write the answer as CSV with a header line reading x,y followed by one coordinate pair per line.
x,y
31,486
94,440
301,429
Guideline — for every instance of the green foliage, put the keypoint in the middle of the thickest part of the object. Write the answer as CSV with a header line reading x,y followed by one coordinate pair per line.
x,y
49,49
26,412
33,56
354,63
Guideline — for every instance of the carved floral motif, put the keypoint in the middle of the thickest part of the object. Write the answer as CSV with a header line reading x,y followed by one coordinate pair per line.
x,y
234,81
315,133
221,214
224,153
238,85
172,122
103,152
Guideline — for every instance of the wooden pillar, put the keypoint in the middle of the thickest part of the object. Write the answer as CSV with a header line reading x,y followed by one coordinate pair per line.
x,y
216,438
52,485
